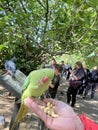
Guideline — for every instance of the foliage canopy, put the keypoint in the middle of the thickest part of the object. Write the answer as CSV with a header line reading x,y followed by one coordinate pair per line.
x,y
31,30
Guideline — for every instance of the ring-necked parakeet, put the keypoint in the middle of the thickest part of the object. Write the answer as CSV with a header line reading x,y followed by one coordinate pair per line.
x,y
36,83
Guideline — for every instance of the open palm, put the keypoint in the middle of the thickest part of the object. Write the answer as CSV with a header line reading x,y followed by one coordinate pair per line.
x,y
66,120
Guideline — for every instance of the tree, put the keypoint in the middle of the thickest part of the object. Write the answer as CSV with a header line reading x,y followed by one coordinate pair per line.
x,y
35,29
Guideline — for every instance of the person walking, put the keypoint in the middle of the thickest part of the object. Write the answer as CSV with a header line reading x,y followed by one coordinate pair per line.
x,y
75,81
52,91
92,83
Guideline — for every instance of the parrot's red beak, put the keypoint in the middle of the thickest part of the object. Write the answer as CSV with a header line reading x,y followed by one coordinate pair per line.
x,y
45,79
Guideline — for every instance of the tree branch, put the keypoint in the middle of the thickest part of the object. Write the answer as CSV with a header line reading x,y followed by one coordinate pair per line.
x,y
46,15
85,32
80,7
6,8
41,4
23,6
46,24
58,53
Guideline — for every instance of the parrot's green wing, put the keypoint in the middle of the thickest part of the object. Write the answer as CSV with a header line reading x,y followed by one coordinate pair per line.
x,y
21,114
26,83
28,80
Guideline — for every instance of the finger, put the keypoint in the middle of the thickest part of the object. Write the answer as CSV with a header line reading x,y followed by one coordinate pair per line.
x,y
29,100
40,102
33,106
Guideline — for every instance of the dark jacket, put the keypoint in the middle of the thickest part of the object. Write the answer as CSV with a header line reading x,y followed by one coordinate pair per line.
x,y
95,76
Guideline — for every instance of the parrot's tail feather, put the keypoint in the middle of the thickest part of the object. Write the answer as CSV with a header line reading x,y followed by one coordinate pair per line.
x,y
21,114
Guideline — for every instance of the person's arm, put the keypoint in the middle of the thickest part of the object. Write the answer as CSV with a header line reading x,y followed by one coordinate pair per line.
x,y
55,81
75,77
81,75
51,85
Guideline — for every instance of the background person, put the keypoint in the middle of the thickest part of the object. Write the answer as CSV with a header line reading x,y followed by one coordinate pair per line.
x,y
86,80
92,83
52,63
63,68
75,82
52,91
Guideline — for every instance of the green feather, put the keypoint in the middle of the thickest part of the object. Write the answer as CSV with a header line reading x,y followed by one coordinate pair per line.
x,y
36,83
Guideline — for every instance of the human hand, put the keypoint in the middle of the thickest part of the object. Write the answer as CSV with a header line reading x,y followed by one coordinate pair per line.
x,y
70,70
66,120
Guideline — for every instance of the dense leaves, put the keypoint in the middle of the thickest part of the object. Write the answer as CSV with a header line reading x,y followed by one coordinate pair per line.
x,y
31,30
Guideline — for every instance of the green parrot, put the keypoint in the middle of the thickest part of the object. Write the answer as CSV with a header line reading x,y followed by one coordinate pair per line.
x,y
36,83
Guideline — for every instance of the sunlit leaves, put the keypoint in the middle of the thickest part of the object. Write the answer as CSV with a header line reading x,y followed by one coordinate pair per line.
x,y
31,30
